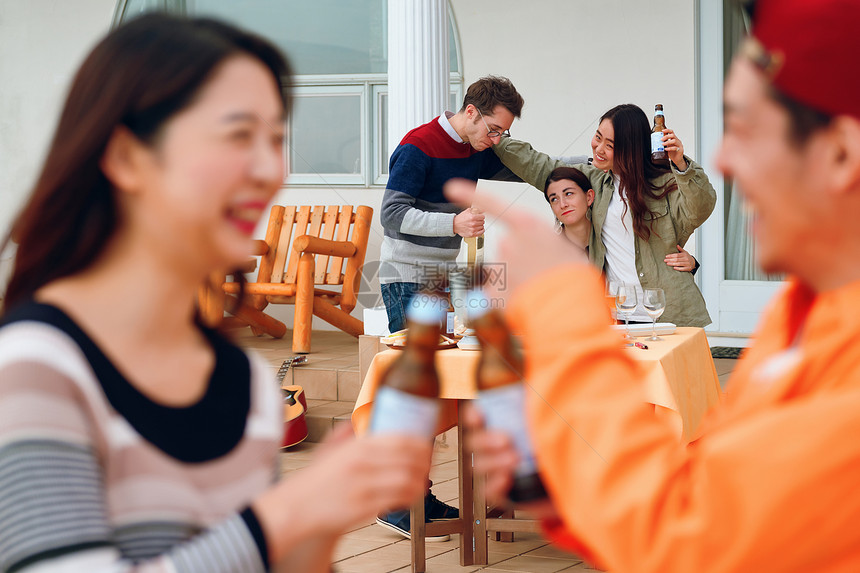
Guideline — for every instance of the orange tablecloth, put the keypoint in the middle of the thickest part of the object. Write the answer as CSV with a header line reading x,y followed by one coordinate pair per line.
x,y
678,377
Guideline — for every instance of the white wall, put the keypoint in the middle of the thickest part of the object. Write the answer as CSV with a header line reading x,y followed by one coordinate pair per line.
x,y
574,59
42,42
570,59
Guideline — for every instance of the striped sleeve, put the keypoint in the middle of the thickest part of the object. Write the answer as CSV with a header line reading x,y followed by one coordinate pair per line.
x,y
53,508
50,502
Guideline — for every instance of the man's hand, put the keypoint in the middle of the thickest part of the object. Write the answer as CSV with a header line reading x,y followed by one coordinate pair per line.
x,y
469,224
529,248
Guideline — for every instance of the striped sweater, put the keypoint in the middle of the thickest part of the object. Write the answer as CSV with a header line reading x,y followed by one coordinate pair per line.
x,y
96,477
418,220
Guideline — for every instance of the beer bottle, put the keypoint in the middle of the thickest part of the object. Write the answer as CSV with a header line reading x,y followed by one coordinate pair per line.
x,y
658,151
407,399
449,310
501,392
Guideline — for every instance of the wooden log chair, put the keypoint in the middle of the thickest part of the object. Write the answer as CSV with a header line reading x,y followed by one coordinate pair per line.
x,y
290,271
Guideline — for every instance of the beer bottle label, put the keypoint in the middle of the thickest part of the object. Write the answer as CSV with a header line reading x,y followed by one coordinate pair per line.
x,y
504,409
401,413
657,142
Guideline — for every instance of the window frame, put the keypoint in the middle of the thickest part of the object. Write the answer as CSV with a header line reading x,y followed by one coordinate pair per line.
x,y
373,155
370,86
379,151
330,89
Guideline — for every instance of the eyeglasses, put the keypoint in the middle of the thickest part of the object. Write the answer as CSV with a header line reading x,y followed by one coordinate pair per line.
x,y
493,132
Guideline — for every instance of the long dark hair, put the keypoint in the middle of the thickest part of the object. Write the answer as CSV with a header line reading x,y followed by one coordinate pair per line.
x,y
632,163
138,76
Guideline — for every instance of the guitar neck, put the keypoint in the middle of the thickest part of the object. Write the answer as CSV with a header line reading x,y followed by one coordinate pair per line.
x,y
289,363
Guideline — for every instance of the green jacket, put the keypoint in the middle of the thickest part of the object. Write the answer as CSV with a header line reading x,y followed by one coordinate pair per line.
x,y
677,215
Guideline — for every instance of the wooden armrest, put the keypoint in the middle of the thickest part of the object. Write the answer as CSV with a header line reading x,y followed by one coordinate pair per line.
x,y
259,248
317,246
248,266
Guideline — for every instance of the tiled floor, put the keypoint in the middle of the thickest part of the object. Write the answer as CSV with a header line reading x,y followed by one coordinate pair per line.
x,y
373,549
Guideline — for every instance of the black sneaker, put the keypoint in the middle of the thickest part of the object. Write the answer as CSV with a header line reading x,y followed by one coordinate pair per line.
x,y
398,522
435,510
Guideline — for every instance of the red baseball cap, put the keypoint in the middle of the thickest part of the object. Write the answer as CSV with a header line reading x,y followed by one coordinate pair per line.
x,y
811,51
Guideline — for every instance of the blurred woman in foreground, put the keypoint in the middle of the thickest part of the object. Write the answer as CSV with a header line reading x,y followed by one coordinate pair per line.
x,y
131,436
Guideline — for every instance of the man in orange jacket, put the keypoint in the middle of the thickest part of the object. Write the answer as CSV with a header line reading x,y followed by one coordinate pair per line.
x,y
773,484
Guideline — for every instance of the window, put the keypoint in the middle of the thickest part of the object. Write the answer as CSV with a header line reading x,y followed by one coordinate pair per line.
x,y
325,135
337,134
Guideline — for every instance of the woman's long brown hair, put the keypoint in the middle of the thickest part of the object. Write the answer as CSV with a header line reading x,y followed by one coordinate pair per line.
x,y
138,76
632,164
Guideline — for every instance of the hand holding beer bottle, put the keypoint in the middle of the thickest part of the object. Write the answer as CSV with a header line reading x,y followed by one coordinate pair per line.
x,y
665,145
501,393
407,400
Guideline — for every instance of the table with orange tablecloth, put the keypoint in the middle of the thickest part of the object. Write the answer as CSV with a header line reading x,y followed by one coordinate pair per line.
x,y
677,376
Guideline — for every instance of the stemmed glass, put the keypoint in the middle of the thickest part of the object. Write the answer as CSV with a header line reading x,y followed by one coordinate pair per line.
x,y
654,303
625,304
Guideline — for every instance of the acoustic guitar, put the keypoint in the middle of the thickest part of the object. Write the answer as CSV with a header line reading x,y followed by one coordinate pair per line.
x,y
295,406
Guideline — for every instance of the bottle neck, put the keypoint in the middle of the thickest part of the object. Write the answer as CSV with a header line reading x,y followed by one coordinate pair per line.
x,y
500,360
422,341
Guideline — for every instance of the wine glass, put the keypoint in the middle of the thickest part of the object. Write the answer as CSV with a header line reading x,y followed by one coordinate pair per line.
x,y
654,301
611,289
625,304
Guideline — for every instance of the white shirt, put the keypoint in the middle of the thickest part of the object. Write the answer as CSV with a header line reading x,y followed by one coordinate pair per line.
x,y
619,240
449,129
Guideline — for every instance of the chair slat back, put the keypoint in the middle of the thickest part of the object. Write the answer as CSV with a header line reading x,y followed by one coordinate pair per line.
x,y
344,222
316,221
284,236
302,218
338,223
327,232
273,231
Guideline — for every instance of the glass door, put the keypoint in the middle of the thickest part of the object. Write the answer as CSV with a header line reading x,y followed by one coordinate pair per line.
x,y
735,288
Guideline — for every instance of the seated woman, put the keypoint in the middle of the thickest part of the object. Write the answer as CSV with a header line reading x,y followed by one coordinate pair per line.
x,y
570,196
133,438
641,213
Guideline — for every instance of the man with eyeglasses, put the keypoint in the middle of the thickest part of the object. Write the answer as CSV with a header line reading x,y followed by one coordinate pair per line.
x,y
423,230
772,483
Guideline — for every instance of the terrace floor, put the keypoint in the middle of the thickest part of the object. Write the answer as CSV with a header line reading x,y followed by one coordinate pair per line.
x,y
371,548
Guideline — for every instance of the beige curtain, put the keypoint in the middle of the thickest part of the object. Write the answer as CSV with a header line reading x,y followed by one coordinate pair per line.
x,y
740,246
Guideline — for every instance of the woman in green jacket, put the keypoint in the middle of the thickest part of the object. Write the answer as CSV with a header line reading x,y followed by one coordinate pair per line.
x,y
641,212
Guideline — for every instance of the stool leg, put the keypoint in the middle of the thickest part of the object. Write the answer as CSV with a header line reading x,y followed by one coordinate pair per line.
x,y
480,521
416,519
473,541
506,536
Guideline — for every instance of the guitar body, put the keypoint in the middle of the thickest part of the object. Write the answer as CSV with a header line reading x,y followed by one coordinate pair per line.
x,y
295,407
